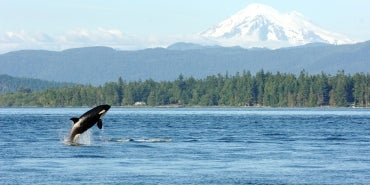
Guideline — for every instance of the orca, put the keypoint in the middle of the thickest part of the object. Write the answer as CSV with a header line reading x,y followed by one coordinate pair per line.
x,y
86,121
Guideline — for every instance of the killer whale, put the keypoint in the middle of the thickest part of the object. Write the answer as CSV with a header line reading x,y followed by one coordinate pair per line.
x,y
86,121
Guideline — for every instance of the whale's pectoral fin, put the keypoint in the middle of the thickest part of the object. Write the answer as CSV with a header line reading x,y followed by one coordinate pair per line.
x,y
75,120
100,124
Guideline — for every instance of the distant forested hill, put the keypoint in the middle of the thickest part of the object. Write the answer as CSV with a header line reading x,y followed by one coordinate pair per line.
x,y
13,84
98,65
242,89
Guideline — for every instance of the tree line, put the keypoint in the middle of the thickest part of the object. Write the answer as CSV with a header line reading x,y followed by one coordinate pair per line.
x,y
241,89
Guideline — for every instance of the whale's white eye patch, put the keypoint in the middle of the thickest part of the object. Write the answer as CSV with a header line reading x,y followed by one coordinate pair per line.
x,y
102,112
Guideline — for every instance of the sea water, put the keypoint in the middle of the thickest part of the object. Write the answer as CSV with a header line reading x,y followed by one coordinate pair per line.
x,y
187,146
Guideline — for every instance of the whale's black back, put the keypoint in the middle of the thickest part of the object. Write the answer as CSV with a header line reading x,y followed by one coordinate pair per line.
x,y
95,111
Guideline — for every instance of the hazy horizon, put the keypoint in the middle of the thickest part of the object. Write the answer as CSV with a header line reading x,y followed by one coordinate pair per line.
x,y
140,24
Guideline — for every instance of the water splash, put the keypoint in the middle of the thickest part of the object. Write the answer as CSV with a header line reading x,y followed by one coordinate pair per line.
x,y
86,138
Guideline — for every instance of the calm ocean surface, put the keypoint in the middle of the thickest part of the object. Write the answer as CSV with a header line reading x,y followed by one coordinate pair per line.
x,y
187,146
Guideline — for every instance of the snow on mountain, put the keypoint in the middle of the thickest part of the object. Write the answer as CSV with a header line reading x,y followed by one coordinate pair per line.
x,y
259,25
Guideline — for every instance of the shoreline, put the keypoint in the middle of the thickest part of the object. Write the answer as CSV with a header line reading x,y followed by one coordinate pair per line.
x,y
197,106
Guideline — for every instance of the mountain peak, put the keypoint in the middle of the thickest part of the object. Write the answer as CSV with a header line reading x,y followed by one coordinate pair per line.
x,y
259,25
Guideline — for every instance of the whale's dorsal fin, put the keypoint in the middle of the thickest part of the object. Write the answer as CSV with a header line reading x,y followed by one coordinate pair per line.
x,y
100,124
75,120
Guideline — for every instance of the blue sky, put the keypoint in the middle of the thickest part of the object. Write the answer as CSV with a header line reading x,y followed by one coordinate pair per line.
x,y
44,24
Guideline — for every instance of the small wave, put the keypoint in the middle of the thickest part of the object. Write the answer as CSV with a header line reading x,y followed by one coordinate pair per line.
x,y
227,139
191,140
274,134
298,166
335,138
123,140
145,140
88,156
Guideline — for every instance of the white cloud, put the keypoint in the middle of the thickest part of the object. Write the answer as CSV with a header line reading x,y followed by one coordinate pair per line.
x,y
19,40
92,36
97,37
10,41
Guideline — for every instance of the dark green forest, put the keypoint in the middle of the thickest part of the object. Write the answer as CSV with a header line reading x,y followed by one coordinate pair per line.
x,y
240,89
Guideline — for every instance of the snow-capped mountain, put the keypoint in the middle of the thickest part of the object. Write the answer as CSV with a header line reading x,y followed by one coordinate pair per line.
x,y
259,25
